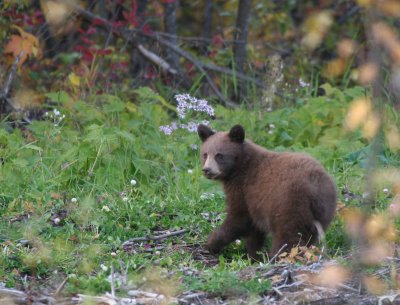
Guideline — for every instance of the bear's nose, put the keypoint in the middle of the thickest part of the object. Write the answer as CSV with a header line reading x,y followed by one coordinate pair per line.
x,y
206,171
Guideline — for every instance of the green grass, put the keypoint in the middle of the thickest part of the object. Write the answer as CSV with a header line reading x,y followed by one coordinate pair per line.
x,y
104,143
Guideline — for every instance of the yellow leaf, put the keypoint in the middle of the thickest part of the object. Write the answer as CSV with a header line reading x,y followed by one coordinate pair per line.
x,y
316,26
131,107
371,126
367,73
25,42
374,285
393,138
74,79
365,3
358,112
332,276
293,252
55,12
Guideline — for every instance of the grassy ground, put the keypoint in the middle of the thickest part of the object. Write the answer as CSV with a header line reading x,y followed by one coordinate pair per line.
x,y
75,188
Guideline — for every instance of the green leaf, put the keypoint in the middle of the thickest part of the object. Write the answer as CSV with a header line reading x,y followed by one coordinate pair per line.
x,y
61,97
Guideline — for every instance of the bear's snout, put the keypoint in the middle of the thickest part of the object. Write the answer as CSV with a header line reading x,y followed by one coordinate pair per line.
x,y
208,172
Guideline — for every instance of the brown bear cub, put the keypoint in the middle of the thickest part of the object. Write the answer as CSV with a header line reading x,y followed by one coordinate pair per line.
x,y
289,195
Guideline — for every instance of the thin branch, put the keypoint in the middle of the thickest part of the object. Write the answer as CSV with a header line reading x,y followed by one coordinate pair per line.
x,y
164,65
199,65
277,253
61,287
155,238
128,34
6,89
11,75
112,280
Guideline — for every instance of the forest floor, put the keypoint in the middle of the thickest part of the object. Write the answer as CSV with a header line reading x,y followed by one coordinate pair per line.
x,y
317,282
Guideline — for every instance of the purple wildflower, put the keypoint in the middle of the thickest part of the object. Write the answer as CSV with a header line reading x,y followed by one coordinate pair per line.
x,y
166,129
187,102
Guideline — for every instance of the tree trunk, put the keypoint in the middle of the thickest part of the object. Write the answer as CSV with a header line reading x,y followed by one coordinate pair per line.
x,y
170,27
240,42
138,64
207,26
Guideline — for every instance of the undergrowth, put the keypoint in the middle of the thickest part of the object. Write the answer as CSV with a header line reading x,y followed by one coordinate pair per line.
x,y
74,188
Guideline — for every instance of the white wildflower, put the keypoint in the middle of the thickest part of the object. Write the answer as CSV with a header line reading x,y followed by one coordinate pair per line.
x,y
303,84
74,200
105,208
386,190
133,182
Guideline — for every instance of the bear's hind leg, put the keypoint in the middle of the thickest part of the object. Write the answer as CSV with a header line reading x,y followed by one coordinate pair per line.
x,y
254,242
293,238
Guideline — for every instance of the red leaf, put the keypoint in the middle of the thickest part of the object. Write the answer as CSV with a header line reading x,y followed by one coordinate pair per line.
x,y
103,52
87,40
91,30
98,21
147,29
118,24
217,40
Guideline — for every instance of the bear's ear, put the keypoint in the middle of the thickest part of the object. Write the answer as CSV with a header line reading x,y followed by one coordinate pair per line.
x,y
236,134
204,132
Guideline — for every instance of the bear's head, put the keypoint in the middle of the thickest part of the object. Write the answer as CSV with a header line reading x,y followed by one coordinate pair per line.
x,y
221,152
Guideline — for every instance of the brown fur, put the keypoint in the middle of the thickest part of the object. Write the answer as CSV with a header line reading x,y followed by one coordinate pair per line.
x,y
284,194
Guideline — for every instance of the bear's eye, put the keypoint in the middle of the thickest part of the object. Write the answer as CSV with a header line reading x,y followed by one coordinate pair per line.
x,y
219,156
205,156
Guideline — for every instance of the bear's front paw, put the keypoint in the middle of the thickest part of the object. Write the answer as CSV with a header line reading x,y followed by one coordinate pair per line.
x,y
214,244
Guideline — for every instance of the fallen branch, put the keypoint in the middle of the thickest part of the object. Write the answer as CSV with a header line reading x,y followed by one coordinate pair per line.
x,y
61,287
11,75
277,253
199,65
128,35
166,67
154,238
12,293
6,89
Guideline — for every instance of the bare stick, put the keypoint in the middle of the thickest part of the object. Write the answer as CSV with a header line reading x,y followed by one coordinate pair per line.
x,y
277,253
61,287
277,291
11,75
348,288
198,65
155,238
112,280
128,34
7,86
166,67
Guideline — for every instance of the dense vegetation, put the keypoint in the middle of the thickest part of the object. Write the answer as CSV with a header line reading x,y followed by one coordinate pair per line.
x,y
91,161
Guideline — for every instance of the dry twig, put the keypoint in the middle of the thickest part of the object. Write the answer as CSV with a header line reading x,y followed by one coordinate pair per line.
x,y
154,238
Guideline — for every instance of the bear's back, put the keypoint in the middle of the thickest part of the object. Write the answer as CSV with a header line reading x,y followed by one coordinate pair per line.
x,y
287,187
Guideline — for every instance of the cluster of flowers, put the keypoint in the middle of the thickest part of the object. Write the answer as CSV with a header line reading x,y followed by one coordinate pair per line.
x,y
303,84
55,116
191,127
187,103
